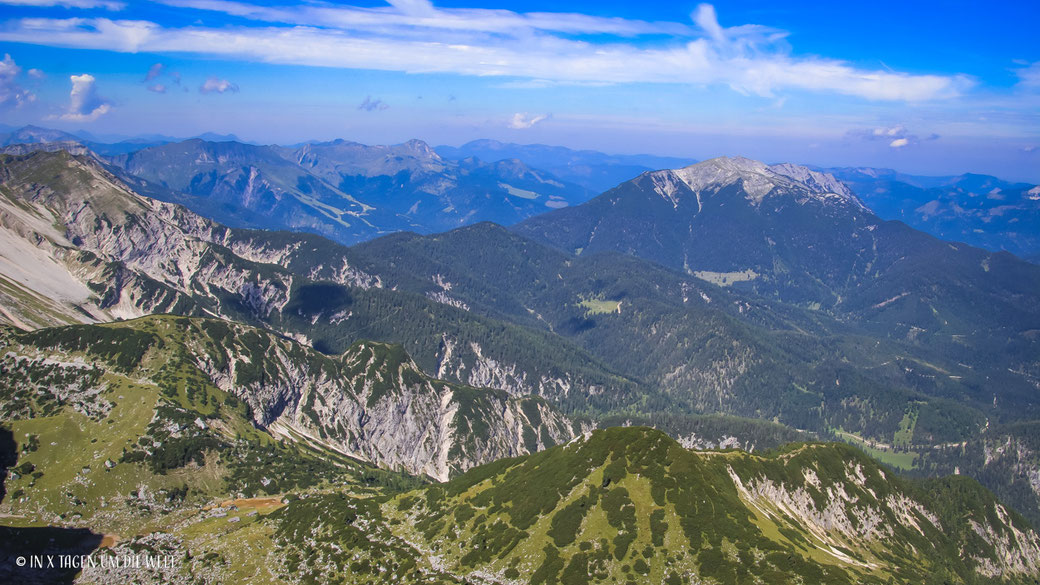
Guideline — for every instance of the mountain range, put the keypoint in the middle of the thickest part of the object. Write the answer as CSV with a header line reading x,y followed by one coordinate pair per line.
x,y
979,210
346,191
197,360
897,369
506,312
411,186
102,145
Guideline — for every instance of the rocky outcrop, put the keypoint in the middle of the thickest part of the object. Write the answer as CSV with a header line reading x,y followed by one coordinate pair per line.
x,y
375,404
470,364
109,249
848,506
372,402
61,206
1017,550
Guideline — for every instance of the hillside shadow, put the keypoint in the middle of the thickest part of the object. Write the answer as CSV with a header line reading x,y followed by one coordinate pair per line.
x,y
34,545
8,457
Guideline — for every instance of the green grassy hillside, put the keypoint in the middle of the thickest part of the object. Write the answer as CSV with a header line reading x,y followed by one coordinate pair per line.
x,y
629,505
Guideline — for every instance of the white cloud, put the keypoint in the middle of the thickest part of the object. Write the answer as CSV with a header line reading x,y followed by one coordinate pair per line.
x,y
84,103
36,73
106,4
897,130
522,120
157,88
216,85
706,18
899,142
10,91
422,14
414,36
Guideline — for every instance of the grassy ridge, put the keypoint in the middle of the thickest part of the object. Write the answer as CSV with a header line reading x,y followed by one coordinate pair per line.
x,y
629,505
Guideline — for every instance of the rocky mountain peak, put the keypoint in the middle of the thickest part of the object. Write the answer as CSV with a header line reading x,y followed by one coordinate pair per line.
x,y
420,149
759,180
817,181
68,146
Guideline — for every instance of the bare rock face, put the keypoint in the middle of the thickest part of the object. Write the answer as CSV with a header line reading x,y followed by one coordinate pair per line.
x,y
374,403
69,146
103,251
470,364
847,505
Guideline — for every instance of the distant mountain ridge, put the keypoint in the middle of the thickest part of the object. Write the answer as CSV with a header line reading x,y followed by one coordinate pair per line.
x,y
979,210
253,186
346,191
104,143
432,193
591,169
37,135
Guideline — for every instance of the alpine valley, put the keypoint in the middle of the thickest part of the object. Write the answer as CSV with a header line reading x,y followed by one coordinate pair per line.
x,y
334,362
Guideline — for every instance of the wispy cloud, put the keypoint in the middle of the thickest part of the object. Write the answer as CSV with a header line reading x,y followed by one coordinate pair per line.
x,y
217,85
370,105
1029,77
10,91
413,7
896,136
159,70
154,72
85,105
523,120
416,37
897,130
423,15
105,4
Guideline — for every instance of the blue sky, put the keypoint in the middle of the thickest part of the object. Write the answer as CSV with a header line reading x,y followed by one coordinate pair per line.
x,y
936,88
